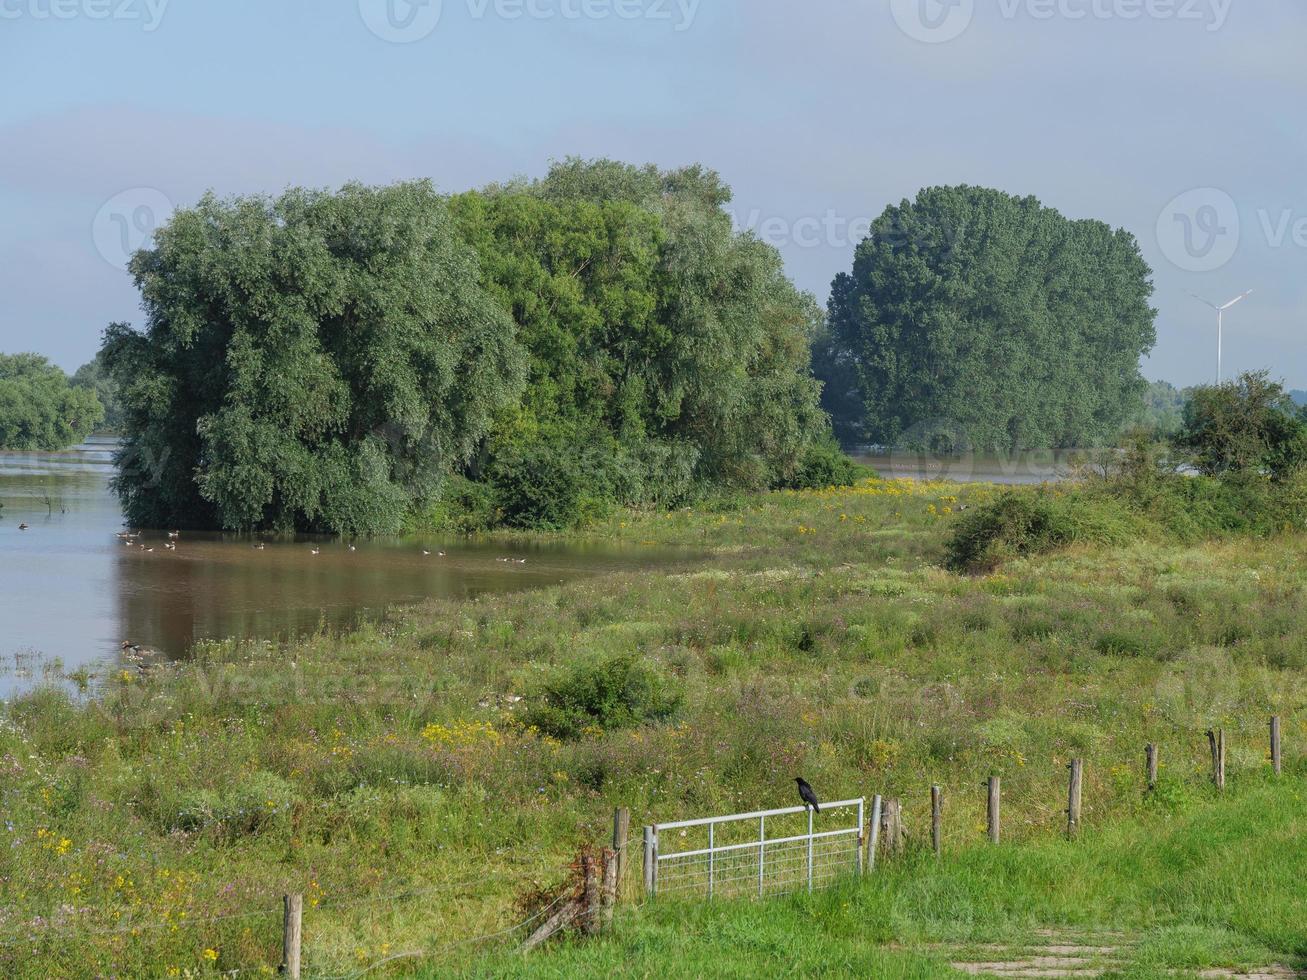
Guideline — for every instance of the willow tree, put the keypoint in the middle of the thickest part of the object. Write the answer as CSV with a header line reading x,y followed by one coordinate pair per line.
x,y
982,320
668,354
317,361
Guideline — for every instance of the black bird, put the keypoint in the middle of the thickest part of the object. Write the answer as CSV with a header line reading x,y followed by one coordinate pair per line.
x,y
806,793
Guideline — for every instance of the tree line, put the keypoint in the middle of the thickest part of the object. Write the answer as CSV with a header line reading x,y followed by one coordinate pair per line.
x,y
533,353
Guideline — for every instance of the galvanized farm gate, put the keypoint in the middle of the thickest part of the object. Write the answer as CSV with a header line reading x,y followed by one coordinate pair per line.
x,y
735,856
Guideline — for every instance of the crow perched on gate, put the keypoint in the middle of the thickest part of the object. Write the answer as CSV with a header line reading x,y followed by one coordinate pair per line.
x,y
808,796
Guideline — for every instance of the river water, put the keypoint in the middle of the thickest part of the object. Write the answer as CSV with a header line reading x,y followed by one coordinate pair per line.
x,y
71,590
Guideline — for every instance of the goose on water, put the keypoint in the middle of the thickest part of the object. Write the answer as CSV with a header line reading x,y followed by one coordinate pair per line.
x,y
22,527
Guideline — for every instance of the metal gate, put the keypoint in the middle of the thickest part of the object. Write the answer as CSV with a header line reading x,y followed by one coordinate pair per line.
x,y
763,853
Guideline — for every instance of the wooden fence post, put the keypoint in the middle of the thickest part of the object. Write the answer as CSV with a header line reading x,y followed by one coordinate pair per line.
x,y
937,820
590,902
612,861
1152,766
1074,797
1277,758
292,932
892,826
995,805
1216,739
621,831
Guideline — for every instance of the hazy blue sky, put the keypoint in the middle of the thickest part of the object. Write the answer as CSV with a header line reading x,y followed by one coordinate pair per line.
x,y
1181,120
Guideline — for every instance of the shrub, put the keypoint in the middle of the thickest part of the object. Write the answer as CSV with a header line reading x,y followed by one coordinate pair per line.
x,y
615,693
539,486
824,465
1022,522
1249,425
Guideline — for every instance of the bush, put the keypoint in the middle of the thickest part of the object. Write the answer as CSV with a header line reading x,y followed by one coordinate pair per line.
x,y
1023,522
614,693
824,465
539,486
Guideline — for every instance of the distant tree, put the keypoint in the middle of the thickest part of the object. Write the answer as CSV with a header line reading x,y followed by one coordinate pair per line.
x,y
320,361
1247,425
1163,409
94,376
990,320
39,409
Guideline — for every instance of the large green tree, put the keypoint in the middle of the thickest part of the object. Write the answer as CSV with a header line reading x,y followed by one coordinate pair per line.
x,y
987,321
318,361
668,354
39,409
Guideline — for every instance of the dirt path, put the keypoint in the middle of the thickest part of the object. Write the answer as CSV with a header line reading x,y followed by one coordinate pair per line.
x,y
1079,955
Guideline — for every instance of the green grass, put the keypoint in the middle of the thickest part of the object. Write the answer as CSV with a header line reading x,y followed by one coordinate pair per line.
x,y
1218,886
816,634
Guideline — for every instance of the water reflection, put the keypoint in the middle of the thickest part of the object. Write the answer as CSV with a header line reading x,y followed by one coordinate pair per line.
x,y
1036,466
72,590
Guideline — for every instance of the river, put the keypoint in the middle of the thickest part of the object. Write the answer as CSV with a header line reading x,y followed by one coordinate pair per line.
x,y
71,590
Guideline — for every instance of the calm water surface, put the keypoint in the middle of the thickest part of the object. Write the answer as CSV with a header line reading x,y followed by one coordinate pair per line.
x,y
69,589
1041,466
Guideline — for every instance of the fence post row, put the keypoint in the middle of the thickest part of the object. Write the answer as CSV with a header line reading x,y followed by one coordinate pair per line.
x,y
1151,753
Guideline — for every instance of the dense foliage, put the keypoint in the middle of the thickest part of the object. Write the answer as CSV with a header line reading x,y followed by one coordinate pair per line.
x,y
318,361
974,319
1247,425
668,355
39,409
94,375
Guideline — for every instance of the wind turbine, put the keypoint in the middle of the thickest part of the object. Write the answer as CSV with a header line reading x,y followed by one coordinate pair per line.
x,y
1220,324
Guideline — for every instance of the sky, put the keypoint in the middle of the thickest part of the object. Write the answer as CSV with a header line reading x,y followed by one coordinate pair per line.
x,y
1182,121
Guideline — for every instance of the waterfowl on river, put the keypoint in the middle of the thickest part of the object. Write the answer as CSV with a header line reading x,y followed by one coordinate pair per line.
x,y
315,551
174,534
22,527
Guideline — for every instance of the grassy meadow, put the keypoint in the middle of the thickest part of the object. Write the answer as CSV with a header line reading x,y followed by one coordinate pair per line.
x,y
424,781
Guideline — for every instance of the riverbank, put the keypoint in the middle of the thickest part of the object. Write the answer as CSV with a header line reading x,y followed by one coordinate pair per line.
x,y
815,635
